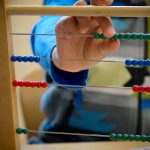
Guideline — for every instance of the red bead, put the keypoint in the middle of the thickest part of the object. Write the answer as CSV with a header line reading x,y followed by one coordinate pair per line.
x,y
141,89
15,83
21,83
38,84
32,84
26,83
44,84
147,89
135,88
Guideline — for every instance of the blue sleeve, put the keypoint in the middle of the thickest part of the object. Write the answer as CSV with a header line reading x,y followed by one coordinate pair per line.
x,y
43,46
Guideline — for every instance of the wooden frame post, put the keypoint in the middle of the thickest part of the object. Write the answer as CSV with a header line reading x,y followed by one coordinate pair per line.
x,y
8,102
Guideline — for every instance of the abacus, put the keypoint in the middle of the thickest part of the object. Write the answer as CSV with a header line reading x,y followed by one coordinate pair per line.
x,y
8,104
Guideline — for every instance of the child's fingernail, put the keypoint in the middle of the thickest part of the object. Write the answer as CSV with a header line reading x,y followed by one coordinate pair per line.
x,y
109,32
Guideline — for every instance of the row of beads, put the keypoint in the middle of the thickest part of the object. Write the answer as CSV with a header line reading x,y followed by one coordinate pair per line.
x,y
22,131
127,36
129,137
137,62
25,58
32,84
113,136
137,88
44,84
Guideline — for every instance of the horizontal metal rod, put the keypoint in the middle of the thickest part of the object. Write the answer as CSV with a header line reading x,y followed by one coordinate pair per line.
x,y
113,11
70,134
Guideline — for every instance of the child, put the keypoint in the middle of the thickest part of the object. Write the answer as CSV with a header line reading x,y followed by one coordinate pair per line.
x,y
66,47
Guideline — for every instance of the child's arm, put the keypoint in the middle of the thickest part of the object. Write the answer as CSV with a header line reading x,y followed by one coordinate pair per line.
x,y
81,48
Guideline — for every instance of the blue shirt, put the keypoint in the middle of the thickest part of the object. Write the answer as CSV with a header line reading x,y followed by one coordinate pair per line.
x,y
43,46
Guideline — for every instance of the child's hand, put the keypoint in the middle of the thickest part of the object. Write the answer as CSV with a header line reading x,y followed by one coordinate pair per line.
x,y
83,48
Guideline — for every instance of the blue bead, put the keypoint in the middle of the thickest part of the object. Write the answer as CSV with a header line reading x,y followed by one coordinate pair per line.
x,y
30,58
141,63
147,62
128,62
13,58
36,59
134,62
19,58
25,58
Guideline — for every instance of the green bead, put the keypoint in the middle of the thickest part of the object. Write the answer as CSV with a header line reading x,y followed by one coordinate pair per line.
x,y
121,36
113,136
96,36
25,131
147,36
119,136
103,37
134,36
148,138
137,137
131,137
127,36
140,36
124,136
19,130
115,37
143,138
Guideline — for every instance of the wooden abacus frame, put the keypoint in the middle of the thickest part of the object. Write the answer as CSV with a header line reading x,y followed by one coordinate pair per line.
x,y
9,140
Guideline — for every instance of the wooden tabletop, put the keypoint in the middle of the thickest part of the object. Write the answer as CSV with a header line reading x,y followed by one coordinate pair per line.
x,y
88,146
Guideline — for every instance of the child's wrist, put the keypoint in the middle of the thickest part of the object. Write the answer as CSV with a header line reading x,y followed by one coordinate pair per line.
x,y
63,64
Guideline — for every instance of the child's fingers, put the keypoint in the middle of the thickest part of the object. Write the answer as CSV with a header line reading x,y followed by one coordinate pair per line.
x,y
106,26
106,47
101,2
82,23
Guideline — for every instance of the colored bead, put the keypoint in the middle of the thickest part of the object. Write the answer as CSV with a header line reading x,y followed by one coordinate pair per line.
x,y
143,138
44,84
135,88
25,58
147,62
127,36
128,62
118,136
133,36
140,36
13,58
113,136
26,83
134,62
124,136
141,89
103,37
96,36
15,83
137,137
36,58
25,130
146,36
38,84
115,37
148,138
131,137
19,130
19,58
141,62
32,84
121,36
30,58
21,83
